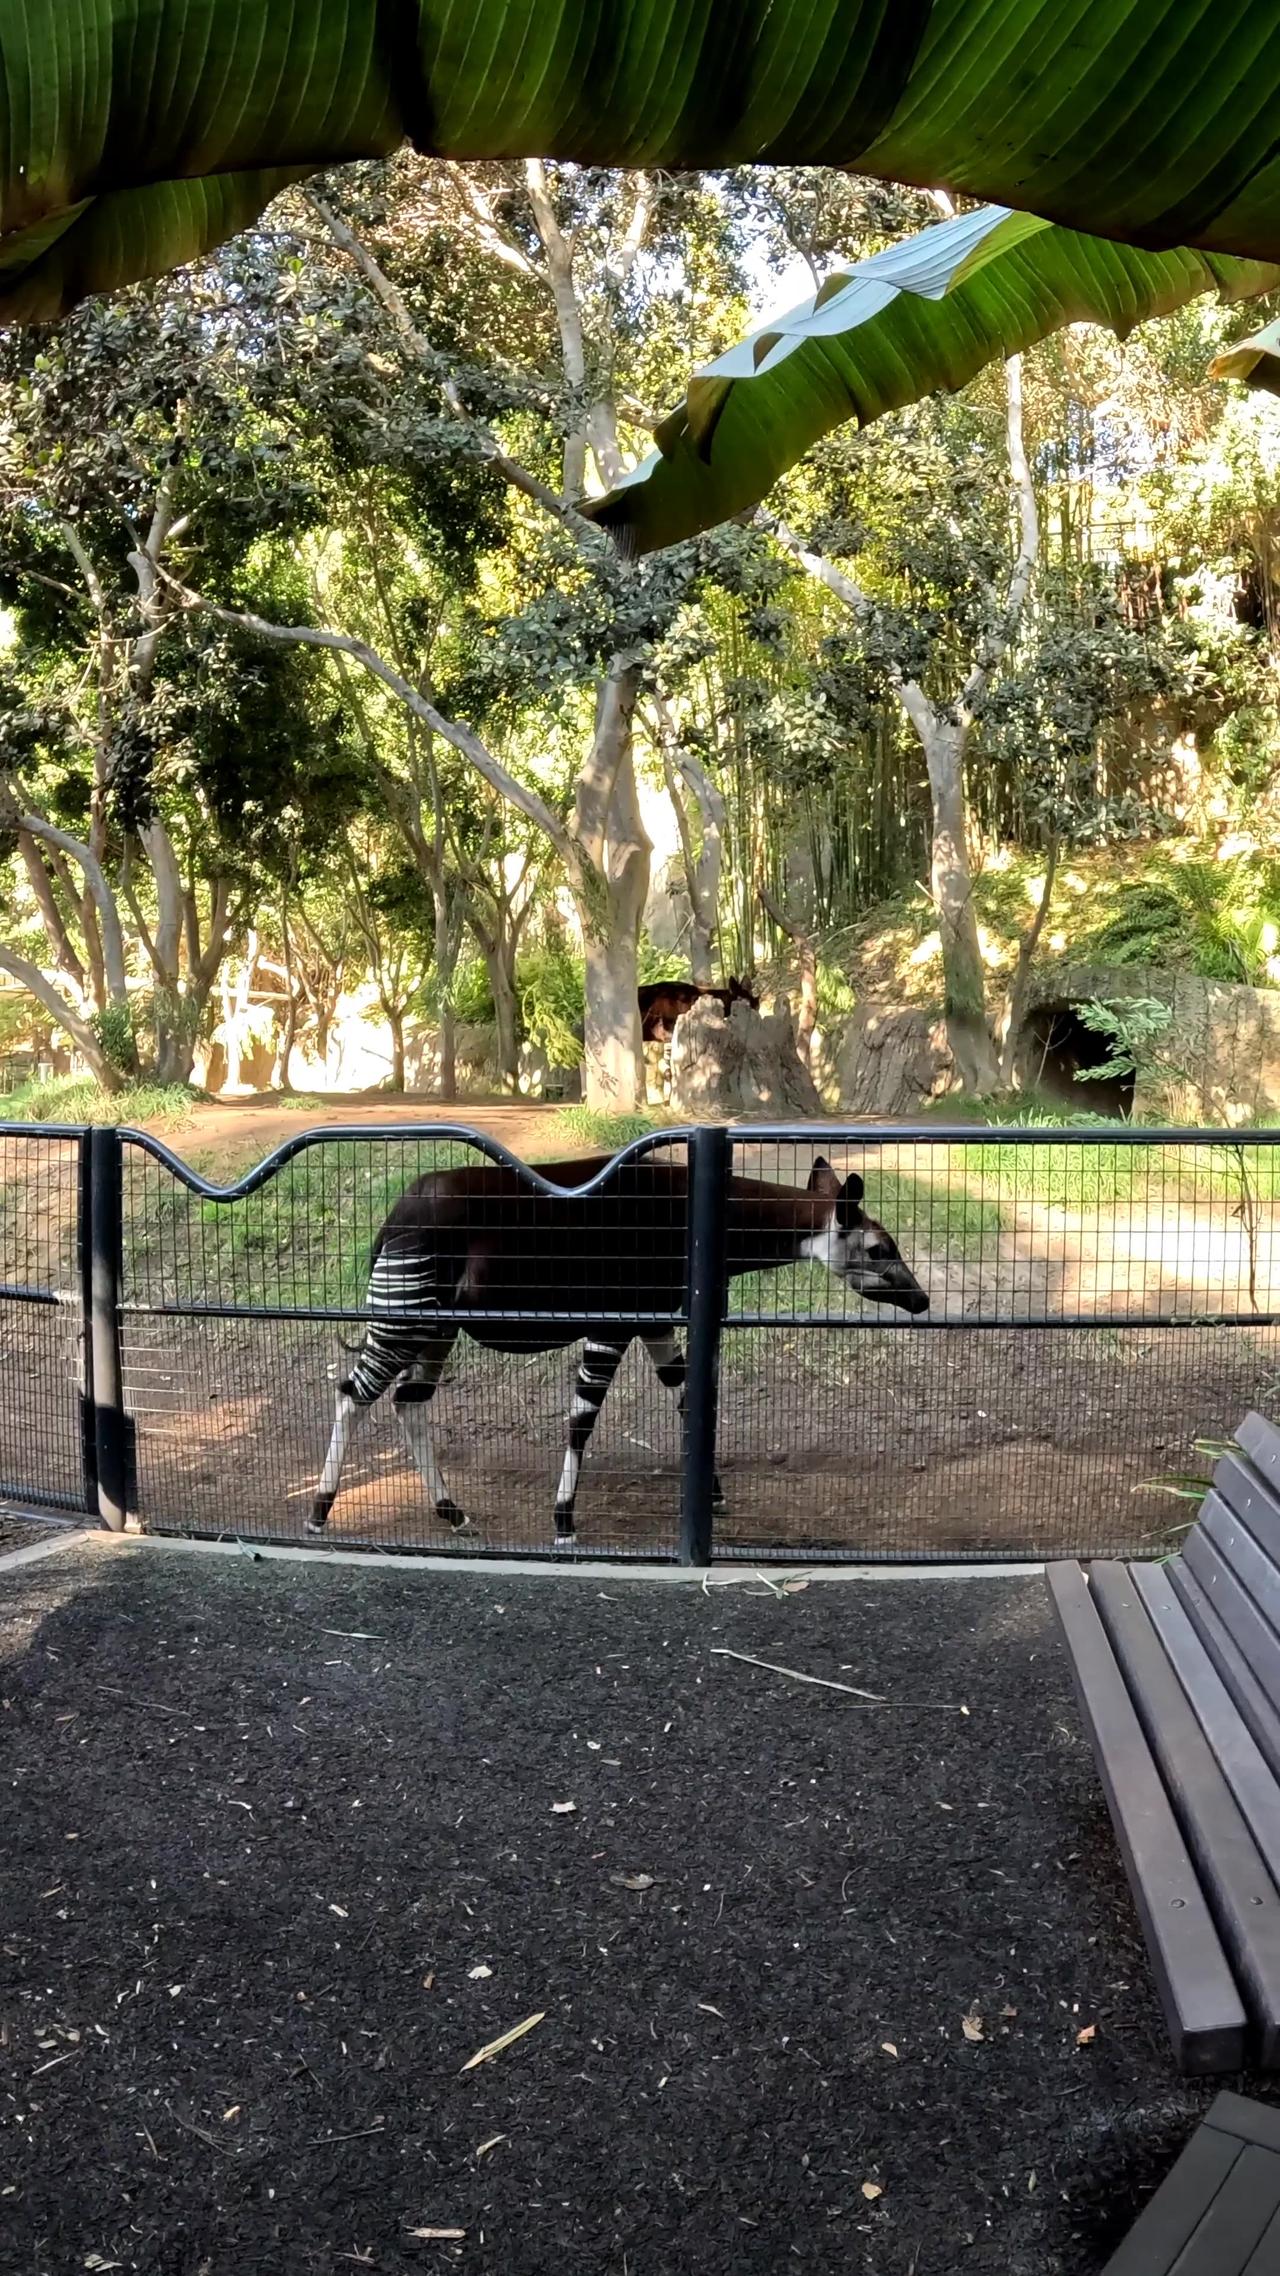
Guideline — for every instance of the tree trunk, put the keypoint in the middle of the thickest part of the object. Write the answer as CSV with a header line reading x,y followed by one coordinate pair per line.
x,y
395,1021
611,832
502,985
613,1076
1021,986
963,973
177,1031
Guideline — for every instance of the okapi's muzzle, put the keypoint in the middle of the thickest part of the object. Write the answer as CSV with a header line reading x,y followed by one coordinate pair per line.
x,y
896,1285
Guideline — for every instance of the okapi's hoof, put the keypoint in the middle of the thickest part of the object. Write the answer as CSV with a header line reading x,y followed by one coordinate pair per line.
x,y
717,1494
456,1519
320,1509
564,1542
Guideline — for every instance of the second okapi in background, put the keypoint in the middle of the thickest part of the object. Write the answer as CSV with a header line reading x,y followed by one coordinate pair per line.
x,y
486,1245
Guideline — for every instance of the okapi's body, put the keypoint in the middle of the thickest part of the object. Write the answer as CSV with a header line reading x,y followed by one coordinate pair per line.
x,y
479,1245
663,1002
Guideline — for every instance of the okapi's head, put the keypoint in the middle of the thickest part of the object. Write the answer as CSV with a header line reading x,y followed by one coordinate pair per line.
x,y
742,992
857,1248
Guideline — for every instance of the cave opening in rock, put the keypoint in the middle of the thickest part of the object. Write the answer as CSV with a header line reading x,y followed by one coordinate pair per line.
x,y
1055,1044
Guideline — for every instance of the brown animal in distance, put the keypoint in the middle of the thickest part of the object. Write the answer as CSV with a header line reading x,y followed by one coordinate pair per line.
x,y
663,1002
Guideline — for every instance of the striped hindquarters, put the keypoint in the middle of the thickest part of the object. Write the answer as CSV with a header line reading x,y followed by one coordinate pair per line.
x,y
405,1284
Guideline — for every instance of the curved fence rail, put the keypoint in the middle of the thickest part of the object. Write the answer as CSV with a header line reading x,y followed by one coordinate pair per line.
x,y
1094,1306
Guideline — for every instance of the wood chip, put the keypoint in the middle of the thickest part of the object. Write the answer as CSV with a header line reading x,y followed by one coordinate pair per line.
x,y
1086,2037
563,1809
508,2039
871,2190
971,2025
440,2236
887,2048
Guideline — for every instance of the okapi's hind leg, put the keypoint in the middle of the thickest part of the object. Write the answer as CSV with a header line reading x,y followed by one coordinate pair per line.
x,y
412,1402
600,1363
669,1366
348,1415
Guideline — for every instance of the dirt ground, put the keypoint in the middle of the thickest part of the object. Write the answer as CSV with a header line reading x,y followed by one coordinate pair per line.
x,y
244,1130
856,1443
287,1848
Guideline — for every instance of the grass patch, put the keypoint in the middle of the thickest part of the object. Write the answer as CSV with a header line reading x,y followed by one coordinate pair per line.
x,y
590,1126
76,1098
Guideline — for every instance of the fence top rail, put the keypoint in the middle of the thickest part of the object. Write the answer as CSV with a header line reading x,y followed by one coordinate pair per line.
x,y
990,1134
740,1135
73,1131
366,1134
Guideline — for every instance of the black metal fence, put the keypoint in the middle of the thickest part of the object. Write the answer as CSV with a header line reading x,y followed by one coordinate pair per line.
x,y
1099,1301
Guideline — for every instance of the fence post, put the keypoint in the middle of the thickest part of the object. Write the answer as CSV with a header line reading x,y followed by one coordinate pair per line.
x,y
105,1374
709,1158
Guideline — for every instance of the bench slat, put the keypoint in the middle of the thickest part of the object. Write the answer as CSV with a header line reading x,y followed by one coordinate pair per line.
x,y
1249,2121
1253,1636
1261,1442
1179,2205
1237,2219
1250,1497
1235,1878
1253,1568
1201,2004
1266,2260
1234,1669
1234,1746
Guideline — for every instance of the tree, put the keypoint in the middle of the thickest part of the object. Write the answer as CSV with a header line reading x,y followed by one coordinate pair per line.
x,y
435,401
130,443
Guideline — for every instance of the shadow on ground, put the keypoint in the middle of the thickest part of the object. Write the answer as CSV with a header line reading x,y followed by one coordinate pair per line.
x,y
286,1846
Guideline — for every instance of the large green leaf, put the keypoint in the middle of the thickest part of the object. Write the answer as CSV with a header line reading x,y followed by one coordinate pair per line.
x,y
111,241
925,315
1256,360
1154,121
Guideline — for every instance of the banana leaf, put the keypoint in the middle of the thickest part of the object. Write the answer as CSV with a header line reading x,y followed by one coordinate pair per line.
x,y
1256,360
926,315
1150,121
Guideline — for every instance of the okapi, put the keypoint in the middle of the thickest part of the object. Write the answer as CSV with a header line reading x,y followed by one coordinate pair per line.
x,y
482,1242
663,1002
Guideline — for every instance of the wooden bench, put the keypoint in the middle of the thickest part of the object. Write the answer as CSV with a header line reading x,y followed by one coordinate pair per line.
x,y
1218,2212
1177,1670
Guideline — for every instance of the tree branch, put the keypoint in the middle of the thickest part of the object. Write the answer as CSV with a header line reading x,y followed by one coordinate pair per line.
x,y
37,984
478,755
529,485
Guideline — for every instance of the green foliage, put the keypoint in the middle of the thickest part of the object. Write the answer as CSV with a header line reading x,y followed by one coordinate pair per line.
x,y
113,1026
550,985
76,1098
916,317
1132,1028
589,1125
94,187
1220,919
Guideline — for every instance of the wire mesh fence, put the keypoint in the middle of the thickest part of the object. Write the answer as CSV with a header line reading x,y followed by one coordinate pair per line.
x,y
457,1303
900,1343
41,1442
1098,1303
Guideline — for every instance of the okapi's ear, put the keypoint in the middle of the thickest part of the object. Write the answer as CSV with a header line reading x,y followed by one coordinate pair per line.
x,y
850,1194
823,1179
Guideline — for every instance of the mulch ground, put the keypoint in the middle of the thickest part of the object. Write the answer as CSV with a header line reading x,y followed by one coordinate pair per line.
x,y
822,1984
18,1532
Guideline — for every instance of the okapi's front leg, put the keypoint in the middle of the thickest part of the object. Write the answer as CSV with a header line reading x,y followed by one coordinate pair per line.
x,y
669,1366
412,1402
600,1363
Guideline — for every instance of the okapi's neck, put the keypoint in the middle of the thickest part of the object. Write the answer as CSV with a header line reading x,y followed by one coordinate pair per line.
x,y
772,1224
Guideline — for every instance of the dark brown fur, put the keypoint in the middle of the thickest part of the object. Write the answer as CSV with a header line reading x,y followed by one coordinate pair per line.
x,y
663,1002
